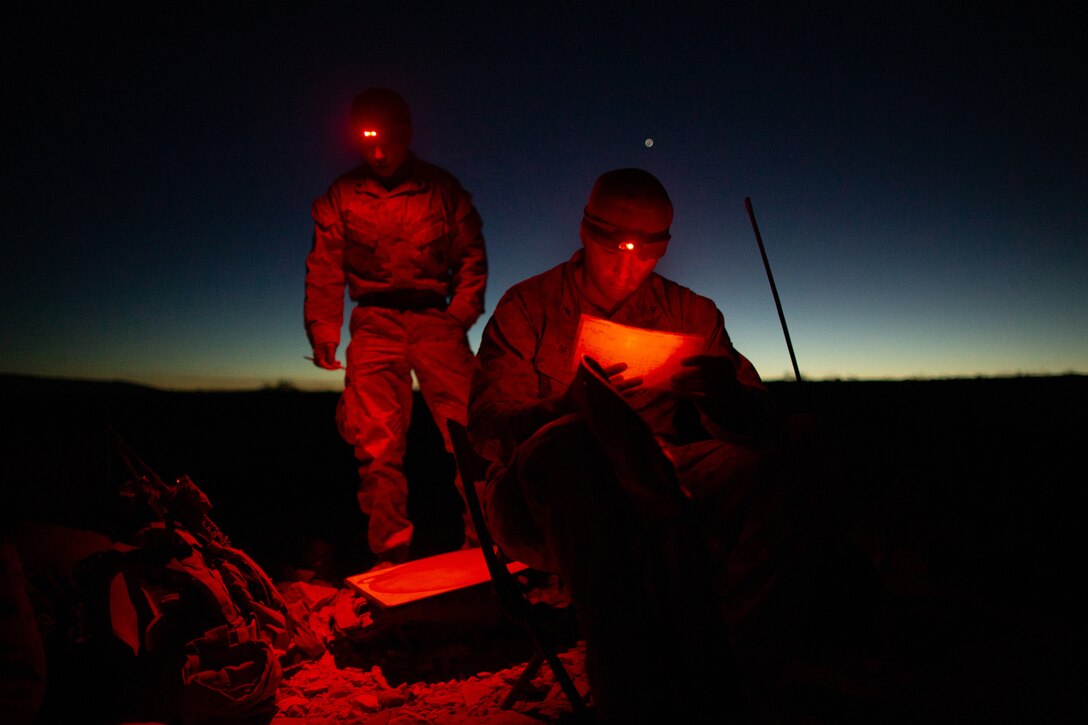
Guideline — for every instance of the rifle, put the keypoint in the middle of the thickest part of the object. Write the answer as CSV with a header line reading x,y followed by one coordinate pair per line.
x,y
181,501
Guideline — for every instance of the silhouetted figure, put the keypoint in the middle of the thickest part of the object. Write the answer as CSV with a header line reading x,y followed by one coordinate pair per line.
x,y
404,238
674,592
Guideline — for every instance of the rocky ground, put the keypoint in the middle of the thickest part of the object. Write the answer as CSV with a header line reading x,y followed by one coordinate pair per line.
x,y
428,681
324,692
453,659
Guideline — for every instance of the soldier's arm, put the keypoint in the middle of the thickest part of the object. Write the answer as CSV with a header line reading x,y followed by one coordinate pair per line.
x,y
736,400
505,407
325,276
468,262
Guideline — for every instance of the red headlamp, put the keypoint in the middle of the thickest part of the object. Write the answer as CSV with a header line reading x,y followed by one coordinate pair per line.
x,y
647,245
390,133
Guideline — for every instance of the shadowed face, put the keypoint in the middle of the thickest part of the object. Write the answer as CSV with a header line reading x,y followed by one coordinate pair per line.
x,y
382,124
618,258
384,153
385,159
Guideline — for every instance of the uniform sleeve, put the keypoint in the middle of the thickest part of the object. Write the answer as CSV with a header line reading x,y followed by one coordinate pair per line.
x,y
323,309
504,402
468,262
752,409
718,343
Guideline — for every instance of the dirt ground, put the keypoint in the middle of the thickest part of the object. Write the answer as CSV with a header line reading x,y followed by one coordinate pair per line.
x,y
962,493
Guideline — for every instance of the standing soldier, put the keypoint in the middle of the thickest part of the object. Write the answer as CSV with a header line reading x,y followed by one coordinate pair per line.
x,y
404,237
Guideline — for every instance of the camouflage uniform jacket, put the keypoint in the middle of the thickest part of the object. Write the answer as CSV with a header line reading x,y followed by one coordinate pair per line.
x,y
526,356
423,234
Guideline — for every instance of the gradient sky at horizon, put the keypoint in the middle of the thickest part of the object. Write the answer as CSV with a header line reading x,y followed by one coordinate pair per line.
x,y
918,174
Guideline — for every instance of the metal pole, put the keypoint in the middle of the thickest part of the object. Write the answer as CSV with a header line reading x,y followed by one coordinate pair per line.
x,y
774,290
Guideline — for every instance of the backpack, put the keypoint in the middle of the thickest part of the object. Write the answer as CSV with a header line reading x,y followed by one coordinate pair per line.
x,y
197,627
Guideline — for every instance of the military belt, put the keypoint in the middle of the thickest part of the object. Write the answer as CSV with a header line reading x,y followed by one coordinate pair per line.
x,y
404,300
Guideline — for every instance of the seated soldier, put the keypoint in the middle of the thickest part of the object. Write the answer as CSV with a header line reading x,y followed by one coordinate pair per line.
x,y
670,599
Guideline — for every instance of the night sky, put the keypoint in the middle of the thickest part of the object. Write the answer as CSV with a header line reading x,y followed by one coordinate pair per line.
x,y
919,175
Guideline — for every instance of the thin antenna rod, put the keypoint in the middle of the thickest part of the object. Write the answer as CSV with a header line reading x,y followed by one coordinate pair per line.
x,y
774,290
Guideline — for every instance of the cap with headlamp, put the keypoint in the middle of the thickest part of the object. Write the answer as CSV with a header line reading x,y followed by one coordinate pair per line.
x,y
628,212
647,245
380,115
624,232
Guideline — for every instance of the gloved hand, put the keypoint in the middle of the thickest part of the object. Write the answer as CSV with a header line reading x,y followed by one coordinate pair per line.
x,y
325,356
709,380
611,373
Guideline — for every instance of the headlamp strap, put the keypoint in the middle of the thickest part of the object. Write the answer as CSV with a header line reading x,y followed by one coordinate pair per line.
x,y
595,225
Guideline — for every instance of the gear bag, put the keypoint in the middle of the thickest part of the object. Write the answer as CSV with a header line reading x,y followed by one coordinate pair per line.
x,y
196,621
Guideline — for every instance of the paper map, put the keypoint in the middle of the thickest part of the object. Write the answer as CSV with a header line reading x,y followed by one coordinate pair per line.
x,y
654,356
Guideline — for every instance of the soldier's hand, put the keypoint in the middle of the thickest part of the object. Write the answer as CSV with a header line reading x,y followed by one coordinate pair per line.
x,y
614,375
565,403
325,356
712,378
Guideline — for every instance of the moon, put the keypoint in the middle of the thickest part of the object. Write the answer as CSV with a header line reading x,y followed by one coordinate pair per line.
x,y
649,142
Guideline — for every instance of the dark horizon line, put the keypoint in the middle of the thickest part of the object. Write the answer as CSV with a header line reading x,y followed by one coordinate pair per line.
x,y
8,380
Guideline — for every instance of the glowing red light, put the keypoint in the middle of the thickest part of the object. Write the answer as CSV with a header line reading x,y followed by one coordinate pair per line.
x,y
370,134
628,246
